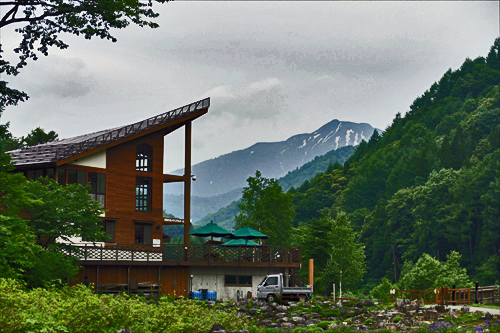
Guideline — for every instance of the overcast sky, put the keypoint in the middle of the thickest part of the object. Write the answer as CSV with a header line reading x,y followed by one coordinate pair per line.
x,y
272,69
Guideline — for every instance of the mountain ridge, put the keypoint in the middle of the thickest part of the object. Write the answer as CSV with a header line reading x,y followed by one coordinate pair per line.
x,y
274,159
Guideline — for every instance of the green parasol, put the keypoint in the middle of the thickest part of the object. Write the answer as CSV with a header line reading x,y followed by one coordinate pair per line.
x,y
240,242
211,229
248,233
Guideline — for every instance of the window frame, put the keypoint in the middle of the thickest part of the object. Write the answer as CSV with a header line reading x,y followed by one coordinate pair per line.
x,y
144,227
95,191
144,158
143,202
238,283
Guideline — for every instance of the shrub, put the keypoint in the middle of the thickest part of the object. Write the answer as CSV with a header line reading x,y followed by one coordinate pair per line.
x,y
382,291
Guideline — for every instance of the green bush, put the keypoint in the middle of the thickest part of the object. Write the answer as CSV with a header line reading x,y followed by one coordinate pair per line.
x,y
324,324
78,310
397,319
382,291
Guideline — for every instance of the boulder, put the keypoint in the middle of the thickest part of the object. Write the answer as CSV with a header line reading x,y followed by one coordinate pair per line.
x,y
365,302
266,322
125,330
217,329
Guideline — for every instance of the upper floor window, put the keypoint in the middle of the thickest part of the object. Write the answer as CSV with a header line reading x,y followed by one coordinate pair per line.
x,y
97,190
144,158
143,195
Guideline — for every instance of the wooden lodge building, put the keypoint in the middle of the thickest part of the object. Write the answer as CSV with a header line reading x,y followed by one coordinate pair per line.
x,y
124,167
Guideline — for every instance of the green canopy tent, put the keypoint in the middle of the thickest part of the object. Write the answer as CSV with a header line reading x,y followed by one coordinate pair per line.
x,y
211,230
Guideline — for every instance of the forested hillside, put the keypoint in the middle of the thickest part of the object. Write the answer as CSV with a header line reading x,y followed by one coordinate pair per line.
x,y
225,216
430,183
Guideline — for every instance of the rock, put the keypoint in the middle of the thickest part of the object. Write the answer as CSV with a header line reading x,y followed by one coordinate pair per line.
x,y
333,326
488,316
310,322
298,320
465,309
266,322
281,308
265,308
365,302
280,315
217,329
400,326
252,311
269,314
125,330
286,325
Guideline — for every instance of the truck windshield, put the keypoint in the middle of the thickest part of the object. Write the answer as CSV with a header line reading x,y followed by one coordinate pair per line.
x,y
263,280
272,281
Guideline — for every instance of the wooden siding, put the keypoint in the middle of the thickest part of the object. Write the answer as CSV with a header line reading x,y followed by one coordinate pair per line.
x,y
170,279
120,187
175,278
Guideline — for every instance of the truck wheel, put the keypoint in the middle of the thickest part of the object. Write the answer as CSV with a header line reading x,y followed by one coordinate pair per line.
x,y
270,298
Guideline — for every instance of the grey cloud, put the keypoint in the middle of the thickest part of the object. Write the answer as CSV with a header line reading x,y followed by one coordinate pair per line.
x,y
258,100
62,77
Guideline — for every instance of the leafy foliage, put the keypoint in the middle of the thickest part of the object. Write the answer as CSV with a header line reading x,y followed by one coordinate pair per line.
x,y
79,309
267,209
43,21
429,273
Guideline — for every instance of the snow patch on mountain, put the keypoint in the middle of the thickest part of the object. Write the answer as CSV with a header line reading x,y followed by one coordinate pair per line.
x,y
303,144
355,140
348,136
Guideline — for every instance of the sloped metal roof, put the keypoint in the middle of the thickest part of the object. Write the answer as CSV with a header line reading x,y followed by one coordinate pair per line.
x,y
58,150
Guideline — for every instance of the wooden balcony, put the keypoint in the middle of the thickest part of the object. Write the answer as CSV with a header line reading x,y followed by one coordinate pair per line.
x,y
180,255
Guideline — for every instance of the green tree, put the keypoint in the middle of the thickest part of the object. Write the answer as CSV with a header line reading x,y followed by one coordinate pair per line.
x,y
58,212
382,292
41,23
346,256
429,273
38,136
266,208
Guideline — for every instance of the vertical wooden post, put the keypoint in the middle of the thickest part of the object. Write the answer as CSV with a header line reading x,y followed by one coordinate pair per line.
x,y
187,183
128,279
159,281
97,278
311,272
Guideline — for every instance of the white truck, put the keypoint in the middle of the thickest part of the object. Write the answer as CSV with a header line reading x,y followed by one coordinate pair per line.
x,y
272,287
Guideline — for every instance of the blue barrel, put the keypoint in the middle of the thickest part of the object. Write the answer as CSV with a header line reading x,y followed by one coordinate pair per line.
x,y
212,295
197,295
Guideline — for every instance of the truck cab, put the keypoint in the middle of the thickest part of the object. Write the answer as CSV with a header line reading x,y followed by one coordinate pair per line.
x,y
273,286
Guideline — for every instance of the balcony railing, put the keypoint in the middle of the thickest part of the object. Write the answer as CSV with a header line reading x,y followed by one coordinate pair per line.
x,y
192,255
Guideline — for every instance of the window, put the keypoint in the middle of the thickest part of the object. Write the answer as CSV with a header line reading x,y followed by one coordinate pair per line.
x,y
237,281
61,176
97,183
77,177
144,158
143,194
109,228
143,233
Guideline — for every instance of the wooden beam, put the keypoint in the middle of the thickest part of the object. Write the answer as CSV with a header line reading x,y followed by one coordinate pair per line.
x,y
187,183
172,178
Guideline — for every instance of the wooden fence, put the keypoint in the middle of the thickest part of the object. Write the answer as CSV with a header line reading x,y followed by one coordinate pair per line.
x,y
441,295
490,294
178,254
